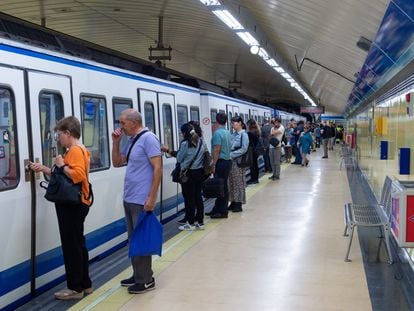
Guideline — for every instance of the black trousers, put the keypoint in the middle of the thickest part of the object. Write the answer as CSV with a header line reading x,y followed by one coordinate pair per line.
x,y
193,202
222,170
254,169
75,254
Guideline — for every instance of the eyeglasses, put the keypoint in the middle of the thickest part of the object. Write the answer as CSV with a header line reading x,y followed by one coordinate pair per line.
x,y
58,134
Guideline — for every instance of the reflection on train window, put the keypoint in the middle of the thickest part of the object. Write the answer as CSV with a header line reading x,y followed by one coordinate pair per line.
x,y
9,170
182,118
119,105
213,114
149,116
51,111
194,114
95,130
167,125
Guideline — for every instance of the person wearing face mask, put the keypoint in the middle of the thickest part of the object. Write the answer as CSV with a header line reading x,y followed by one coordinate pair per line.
x,y
237,178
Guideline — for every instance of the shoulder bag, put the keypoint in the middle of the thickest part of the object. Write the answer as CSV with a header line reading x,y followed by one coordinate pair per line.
x,y
61,189
245,160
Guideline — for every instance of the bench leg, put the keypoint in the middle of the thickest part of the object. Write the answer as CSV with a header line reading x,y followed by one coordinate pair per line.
x,y
351,228
346,230
387,243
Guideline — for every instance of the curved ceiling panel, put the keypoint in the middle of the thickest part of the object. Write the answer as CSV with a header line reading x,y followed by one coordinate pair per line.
x,y
321,33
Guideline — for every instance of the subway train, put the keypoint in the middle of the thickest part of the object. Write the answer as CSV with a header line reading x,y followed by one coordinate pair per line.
x,y
38,86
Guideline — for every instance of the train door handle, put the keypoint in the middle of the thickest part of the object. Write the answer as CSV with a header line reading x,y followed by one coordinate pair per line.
x,y
28,171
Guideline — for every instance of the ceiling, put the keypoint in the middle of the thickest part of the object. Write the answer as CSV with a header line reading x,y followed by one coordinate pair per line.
x,y
324,32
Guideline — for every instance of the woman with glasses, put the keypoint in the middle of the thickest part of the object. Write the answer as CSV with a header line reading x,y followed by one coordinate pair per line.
x,y
71,217
237,178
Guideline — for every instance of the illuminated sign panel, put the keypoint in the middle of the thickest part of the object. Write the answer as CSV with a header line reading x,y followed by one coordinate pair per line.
x,y
312,109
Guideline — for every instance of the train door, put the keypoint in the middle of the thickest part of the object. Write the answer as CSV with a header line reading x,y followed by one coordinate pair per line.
x,y
254,114
50,100
148,105
232,111
166,111
15,194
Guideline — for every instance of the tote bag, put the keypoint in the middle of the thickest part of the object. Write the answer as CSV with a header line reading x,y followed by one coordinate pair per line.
x,y
146,238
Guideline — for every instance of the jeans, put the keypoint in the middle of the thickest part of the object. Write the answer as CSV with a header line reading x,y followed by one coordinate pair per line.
x,y
222,170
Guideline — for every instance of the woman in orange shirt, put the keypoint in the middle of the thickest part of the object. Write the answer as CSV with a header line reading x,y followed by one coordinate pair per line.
x,y
75,163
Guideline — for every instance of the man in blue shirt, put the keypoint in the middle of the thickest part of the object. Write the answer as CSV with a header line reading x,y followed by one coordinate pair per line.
x,y
221,145
142,154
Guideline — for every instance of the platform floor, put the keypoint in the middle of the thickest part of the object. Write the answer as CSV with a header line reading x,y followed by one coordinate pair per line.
x,y
285,251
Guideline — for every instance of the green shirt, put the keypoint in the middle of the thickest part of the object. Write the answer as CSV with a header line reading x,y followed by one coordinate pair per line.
x,y
222,138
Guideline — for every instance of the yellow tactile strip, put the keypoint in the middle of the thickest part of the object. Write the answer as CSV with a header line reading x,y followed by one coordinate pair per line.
x,y
112,296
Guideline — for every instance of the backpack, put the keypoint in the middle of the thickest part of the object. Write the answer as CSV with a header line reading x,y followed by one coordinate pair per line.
x,y
208,165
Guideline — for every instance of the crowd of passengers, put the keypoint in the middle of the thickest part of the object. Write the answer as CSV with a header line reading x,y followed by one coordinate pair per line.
x,y
297,140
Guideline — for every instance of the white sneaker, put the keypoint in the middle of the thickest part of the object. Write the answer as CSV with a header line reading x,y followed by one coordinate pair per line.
x,y
199,226
187,227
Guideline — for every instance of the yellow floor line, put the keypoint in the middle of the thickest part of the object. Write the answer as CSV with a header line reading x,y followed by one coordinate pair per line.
x,y
111,296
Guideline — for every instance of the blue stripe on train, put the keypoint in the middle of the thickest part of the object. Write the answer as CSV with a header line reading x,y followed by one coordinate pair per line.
x,y
19,275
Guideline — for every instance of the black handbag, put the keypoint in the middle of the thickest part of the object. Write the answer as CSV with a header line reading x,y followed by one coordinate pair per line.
x,y
246,159
61,188
179,176
274,141
213,188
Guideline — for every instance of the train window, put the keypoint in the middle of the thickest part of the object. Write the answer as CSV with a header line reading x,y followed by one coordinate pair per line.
x,y
246,117
167,125
9,171
213,114
149,116
51,111
119,105
194,114
95,130
182,118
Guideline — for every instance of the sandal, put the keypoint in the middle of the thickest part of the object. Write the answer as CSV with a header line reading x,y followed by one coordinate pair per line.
x,y
88,290
67,294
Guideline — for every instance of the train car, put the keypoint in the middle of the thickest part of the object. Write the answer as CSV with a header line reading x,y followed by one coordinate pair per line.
x,y
38,87
285,117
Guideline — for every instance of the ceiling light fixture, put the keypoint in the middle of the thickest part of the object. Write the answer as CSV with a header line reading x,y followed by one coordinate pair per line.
x,y
254,49
210,2
247,38
227,18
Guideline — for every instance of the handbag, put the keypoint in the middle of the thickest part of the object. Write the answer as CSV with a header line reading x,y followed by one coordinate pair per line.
x,y
179,176
146,238
213,188
274,141
61,189
245,160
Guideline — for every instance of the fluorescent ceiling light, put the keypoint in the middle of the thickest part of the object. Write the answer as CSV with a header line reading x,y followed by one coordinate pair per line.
x,y
226,17
279,69
291,80
271,62
247,38
286,75
263,54
210,2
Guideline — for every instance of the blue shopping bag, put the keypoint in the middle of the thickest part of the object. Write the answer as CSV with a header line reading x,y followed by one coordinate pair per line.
x,y
146,238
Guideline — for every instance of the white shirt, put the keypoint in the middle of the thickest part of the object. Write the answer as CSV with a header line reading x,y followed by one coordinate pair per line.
x,y
278,133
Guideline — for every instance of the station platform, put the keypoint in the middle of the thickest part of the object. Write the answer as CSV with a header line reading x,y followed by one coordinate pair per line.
x,y
285,251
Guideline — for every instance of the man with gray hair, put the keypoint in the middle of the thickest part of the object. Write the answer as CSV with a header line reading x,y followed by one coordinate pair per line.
x,y
142,155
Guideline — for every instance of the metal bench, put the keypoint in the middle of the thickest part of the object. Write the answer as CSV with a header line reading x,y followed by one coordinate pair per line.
x,y
348,157
377,215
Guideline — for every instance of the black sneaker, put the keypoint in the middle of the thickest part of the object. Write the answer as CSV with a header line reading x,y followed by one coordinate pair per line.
x,y
128,282
140,288
182,221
